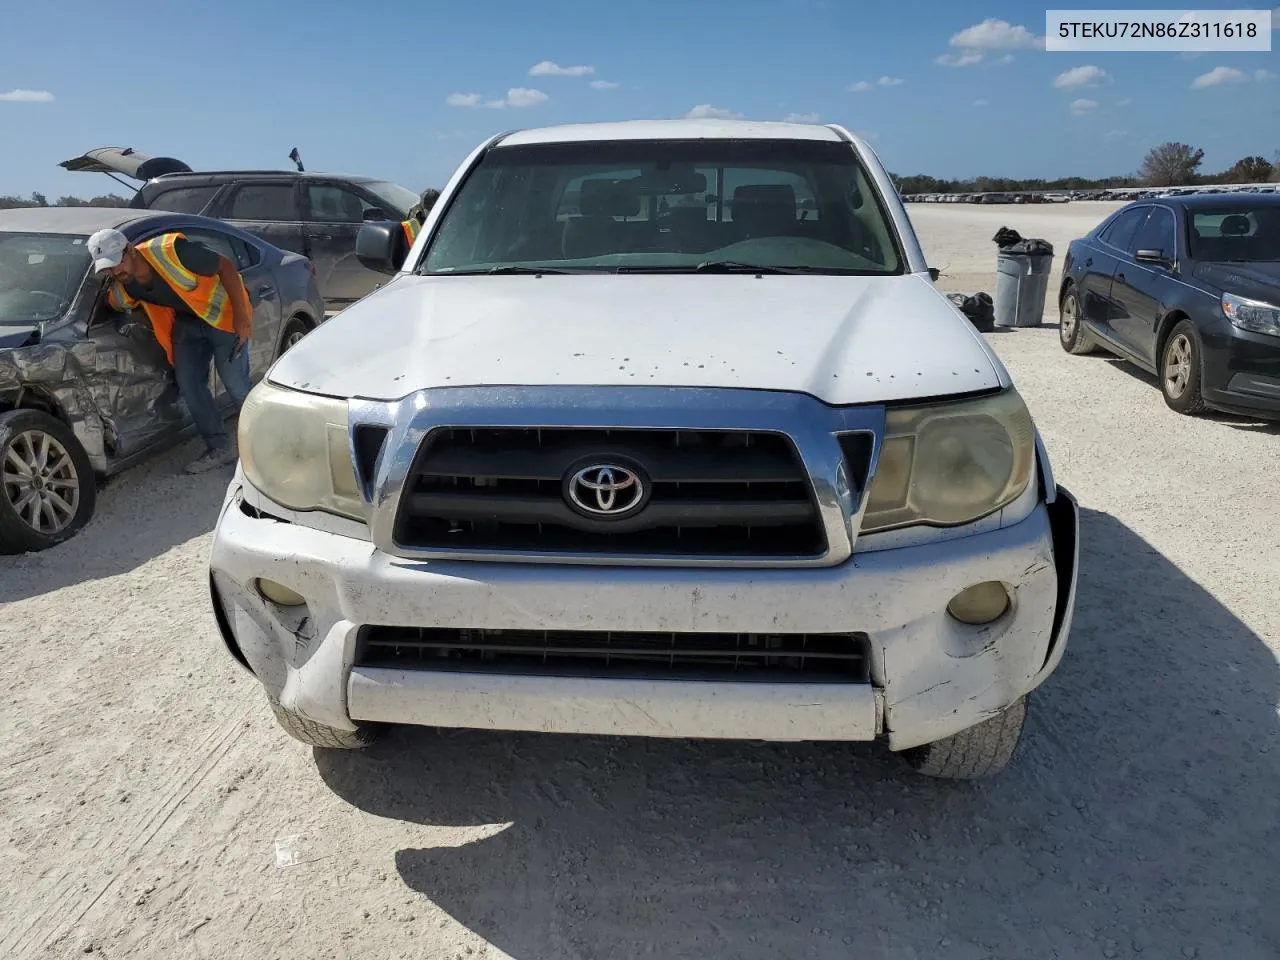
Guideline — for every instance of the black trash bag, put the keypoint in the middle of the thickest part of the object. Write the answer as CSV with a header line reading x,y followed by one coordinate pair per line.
x,y
979,308
1011,241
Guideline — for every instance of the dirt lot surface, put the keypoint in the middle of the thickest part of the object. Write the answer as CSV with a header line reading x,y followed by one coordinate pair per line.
x,y
150,808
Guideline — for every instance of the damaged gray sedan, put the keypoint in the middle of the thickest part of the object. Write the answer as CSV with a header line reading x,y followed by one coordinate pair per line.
x,y
85,391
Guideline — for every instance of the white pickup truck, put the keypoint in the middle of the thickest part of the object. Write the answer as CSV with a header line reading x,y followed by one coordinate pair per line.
x,y
660,429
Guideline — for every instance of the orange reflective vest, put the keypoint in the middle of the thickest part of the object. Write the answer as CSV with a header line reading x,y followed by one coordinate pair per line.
x,y
206,297
410,228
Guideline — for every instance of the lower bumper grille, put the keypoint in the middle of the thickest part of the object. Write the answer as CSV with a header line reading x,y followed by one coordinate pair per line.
x,y
772,657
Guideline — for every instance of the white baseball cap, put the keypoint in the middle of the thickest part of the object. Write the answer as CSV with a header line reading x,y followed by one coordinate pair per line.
x,y
107,249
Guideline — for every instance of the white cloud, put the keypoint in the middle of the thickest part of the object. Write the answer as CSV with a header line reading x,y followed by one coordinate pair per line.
x,y
516,97
980,103
801,118
890,81
862,86
26,96
549,68
992,34
1081,107
1116,134
1003,61
1125,102
604,85
1087,76
966,59
1262,76
1218,77
705,111
524,97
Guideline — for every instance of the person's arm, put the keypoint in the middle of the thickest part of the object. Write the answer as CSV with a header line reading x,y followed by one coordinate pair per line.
x,y
241,313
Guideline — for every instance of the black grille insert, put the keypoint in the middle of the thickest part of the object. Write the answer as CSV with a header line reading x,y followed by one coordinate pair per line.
x,y
774,657
710,493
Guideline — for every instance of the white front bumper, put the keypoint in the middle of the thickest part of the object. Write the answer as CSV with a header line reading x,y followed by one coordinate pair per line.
x,y
931,676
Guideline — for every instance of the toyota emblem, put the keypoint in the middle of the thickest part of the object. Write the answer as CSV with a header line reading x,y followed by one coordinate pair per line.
x,y
606,490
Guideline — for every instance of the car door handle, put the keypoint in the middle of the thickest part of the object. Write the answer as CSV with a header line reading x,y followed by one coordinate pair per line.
x,y
1120,277
266,290
1089,262
321,236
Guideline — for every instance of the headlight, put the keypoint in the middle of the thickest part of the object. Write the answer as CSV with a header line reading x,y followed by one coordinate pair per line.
x,y
293,448
1253,315
952,463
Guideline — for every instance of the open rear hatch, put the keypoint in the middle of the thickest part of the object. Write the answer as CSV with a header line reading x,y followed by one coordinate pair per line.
x,y
126,161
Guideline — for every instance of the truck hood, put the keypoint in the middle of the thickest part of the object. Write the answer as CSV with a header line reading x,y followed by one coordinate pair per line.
x,y
844,340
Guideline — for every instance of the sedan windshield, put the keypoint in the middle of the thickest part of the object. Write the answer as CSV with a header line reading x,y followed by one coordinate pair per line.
x,y
667,206
1236,234
39,276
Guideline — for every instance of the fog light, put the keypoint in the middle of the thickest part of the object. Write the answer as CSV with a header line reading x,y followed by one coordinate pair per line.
x,y
279,593
979,604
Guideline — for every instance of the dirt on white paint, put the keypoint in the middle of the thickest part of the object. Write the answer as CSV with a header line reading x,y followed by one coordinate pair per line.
x,y
149,807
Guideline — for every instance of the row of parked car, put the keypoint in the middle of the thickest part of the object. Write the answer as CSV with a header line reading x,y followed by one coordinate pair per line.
x,y
1127,193
85,393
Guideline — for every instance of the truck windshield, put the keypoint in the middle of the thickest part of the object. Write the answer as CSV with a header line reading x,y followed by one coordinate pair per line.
x,y
40,274
667,206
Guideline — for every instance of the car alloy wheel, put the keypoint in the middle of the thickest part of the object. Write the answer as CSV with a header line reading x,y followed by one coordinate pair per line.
x,y
41,482
1070,318
1177,366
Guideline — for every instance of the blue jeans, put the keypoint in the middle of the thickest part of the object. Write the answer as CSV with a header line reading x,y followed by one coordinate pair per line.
x,y
195,344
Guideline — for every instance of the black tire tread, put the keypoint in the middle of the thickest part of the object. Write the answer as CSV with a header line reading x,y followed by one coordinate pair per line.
x,y
1192,402
15,536
981,751
317,734
294,322
1082,343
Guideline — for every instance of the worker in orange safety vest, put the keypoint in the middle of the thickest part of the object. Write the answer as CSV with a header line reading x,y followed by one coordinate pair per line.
x,y
417,217
200,313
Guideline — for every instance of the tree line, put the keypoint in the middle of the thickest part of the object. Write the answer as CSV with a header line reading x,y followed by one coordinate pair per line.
x,y
1168,165
40,200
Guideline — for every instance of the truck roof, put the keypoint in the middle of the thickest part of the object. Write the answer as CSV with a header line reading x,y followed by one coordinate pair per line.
x,y
689,129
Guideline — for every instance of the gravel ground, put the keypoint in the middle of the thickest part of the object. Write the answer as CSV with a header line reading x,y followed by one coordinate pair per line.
x,y
151,808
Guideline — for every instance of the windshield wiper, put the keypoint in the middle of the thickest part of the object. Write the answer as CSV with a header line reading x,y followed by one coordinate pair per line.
x,y
509,268
720,266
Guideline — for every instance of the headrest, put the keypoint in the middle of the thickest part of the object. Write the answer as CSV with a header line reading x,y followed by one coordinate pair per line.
x,y
608,198
772,194
1235,225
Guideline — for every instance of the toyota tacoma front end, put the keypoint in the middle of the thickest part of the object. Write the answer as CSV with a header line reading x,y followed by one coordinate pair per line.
x,y
603,465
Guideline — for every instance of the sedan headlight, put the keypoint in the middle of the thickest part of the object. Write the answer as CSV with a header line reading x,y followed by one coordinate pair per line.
x,y
1253,315
951,463
294,448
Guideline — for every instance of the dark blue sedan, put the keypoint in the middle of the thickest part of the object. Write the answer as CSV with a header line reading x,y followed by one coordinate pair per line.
x,y
1187,288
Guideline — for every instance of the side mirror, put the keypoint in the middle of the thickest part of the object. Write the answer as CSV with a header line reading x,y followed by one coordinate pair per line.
x,y
373,215
934,273
377,246
1151,256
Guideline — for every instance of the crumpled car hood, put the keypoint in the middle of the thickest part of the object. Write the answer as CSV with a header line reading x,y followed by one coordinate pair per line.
x,y
844,340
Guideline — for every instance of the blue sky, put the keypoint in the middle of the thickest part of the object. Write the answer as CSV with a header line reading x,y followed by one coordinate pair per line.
x,y
404,90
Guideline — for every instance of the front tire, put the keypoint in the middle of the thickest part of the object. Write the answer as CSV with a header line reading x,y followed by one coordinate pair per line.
x,y
1071,332
294,330
1180,370
47,486
317,734
981,751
